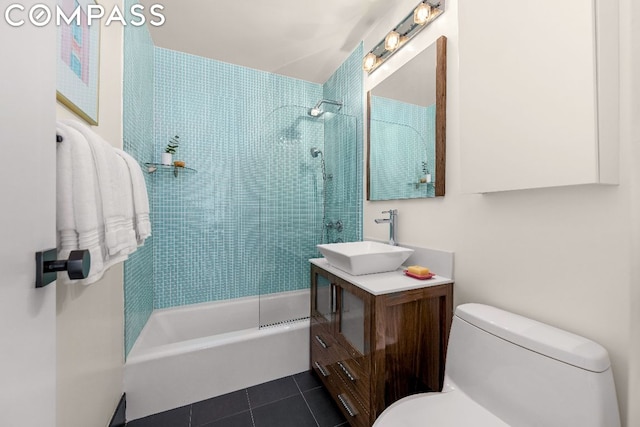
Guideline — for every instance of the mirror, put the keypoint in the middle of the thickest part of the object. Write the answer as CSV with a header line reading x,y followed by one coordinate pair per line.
x,y
406,115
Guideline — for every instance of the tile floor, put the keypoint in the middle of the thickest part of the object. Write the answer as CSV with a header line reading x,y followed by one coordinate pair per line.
x,y
295,401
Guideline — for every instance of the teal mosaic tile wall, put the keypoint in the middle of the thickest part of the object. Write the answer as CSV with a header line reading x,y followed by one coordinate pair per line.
x,y
244,223
248,220
344,149
403,136
291,194
138,141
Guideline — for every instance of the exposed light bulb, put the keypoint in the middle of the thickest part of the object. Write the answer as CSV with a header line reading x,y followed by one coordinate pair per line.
x,y
392,41
422,13
369,62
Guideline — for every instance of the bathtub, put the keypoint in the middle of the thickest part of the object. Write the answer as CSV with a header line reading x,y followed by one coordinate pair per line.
x,y
192,353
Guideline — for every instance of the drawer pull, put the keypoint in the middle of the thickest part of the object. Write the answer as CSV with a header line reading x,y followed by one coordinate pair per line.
x,y
321,369
345,403
322,343
346,371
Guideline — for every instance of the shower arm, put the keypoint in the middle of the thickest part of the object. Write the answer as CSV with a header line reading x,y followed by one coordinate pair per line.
x,y
328,101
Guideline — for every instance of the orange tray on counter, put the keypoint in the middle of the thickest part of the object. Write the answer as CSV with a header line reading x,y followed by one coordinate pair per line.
x,y
419,277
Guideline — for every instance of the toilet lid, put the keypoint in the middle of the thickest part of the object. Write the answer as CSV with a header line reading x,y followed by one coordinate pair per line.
x,y
451,409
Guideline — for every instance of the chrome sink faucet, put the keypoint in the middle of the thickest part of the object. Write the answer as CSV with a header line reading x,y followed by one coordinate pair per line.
x,y
393,213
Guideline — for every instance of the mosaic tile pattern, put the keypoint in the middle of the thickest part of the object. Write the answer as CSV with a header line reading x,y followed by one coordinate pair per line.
x,y
138,141
345,148
249,219
402,137
242,224
291,193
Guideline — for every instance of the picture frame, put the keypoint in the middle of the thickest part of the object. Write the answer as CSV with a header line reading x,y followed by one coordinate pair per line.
x,y
78,62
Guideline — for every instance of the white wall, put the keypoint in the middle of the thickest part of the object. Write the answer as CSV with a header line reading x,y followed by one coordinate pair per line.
x,y
630,130
27,225
90,319
559,255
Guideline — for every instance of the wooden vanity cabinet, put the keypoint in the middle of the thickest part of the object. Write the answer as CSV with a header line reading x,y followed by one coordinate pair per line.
x,y
371,350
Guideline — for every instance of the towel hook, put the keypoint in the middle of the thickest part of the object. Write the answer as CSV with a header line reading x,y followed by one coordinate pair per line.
x,y
77,266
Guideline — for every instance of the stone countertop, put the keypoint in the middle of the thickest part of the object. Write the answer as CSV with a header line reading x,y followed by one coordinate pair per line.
x,y
382,283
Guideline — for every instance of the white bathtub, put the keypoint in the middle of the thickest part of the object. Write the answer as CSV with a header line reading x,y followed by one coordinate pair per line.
x,y
191,353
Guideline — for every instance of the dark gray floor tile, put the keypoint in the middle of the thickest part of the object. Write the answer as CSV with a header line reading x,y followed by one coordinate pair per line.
x,y
219,407
178,417
272,391
323,407
289,412
307,380
242,419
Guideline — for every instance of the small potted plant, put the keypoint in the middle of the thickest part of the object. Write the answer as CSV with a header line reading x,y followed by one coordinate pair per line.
x,y
426,176
170,150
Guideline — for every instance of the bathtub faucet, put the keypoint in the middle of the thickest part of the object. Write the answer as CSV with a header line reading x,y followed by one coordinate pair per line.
x,y
393,213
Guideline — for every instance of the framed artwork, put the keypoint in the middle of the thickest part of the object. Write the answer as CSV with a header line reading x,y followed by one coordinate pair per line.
x,y
78,62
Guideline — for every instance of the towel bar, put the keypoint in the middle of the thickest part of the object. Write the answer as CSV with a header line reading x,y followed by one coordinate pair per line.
x,y
77,266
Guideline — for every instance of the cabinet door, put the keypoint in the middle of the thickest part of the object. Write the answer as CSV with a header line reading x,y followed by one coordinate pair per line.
x,y
538,94
352,320
323,297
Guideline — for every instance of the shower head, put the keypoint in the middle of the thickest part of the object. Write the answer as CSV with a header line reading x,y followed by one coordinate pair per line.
x,y
315,152
317,111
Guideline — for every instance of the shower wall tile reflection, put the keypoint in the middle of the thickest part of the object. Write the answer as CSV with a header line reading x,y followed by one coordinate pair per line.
x,y
402,137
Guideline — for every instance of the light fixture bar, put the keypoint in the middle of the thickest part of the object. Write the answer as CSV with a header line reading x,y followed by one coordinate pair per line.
x,y
420,17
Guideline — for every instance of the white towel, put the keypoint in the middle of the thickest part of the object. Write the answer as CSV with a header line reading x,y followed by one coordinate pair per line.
x,y
117,209
140,198
97,208
79,223
125,228
87,209
65,219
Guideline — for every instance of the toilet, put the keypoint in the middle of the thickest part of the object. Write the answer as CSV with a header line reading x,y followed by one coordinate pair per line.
x,y
507,370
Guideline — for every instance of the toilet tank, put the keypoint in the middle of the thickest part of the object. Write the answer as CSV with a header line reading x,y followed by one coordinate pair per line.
x,y
528,373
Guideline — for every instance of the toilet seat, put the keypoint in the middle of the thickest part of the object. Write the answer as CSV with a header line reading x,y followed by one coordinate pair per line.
x,y
450,409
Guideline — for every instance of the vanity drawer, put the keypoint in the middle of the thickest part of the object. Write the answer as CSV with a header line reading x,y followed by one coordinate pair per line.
x,y
353,376
322,338
350,405
322,351
320,367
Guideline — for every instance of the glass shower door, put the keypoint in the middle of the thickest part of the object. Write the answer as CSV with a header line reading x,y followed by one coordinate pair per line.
x,y
305,182
291,212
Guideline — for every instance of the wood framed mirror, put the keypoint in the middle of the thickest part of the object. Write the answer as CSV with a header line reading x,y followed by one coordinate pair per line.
x,y
406,124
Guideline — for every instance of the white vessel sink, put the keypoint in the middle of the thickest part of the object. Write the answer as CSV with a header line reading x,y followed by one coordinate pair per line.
x,y
358,258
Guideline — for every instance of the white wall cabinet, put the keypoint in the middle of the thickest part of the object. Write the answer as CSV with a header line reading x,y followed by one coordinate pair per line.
x,y
538,94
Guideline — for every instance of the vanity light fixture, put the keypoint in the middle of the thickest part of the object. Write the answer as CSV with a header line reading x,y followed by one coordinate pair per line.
x,y
423,14
370,62
393,41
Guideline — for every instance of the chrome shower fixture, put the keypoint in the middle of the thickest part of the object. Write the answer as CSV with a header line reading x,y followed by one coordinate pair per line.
x,y
315,152
317,111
